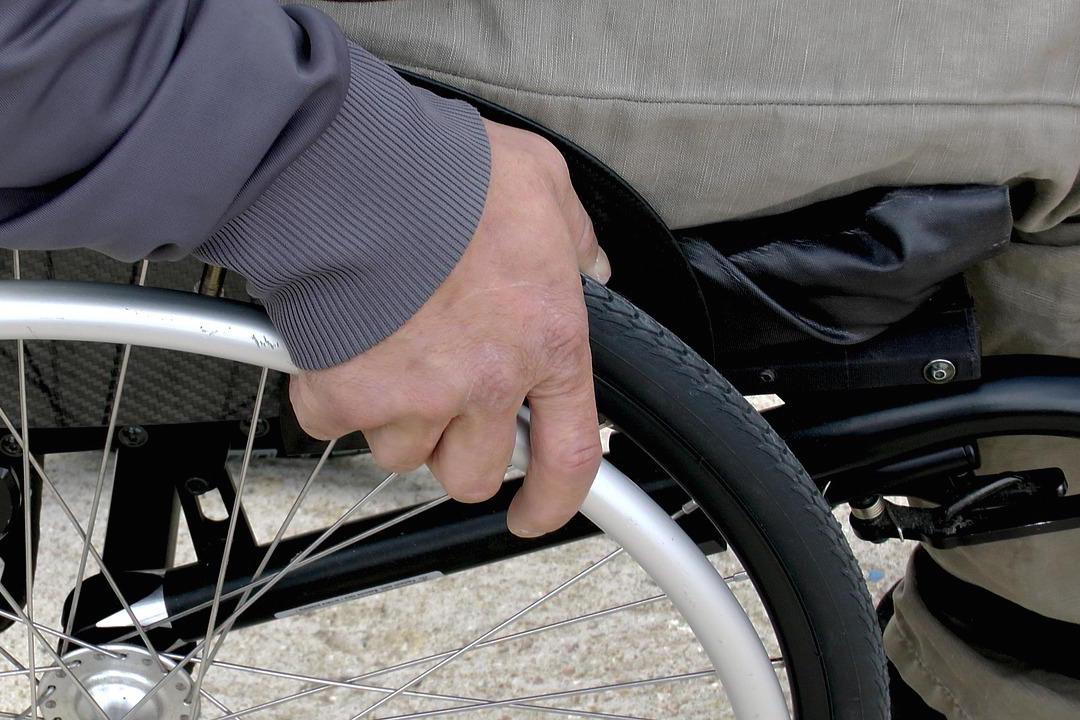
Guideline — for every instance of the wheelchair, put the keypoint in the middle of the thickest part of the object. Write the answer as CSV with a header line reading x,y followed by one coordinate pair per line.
x,y
727,589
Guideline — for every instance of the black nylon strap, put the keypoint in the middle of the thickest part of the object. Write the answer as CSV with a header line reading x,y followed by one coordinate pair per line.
x,y
994,626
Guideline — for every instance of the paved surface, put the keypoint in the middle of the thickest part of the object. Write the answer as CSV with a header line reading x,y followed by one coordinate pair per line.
x,y
380,630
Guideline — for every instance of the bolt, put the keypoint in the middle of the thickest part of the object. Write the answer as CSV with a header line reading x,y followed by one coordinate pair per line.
x,y
132,436
767,376
261,427
9,445
197,485
939,372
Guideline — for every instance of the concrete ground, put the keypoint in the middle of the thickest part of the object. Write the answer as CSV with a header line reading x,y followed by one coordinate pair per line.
x,y
427,618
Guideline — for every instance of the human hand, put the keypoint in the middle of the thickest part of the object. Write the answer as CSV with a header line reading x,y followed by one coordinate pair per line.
x,y
508,323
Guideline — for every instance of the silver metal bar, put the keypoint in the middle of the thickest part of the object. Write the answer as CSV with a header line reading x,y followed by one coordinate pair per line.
x,y
626,513
150,317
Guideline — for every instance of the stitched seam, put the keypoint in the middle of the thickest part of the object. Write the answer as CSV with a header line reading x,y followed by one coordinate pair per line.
x,y
1034,104
932,677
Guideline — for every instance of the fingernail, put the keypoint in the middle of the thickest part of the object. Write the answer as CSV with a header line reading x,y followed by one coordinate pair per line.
x,y
523,532
601,271
473,497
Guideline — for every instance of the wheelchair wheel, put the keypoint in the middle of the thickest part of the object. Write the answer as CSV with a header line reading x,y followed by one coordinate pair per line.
x,y
750,603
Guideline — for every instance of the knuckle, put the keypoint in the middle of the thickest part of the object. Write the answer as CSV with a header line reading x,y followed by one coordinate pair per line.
x,y
580,457
550,161
313,423
496,385
566,339
468,488
398,459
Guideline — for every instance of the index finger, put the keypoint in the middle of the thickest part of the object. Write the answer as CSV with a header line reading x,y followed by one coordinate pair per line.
x,y
566,454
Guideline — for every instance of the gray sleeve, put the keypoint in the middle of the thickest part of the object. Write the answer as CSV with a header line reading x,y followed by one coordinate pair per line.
x,y
354,235
255,137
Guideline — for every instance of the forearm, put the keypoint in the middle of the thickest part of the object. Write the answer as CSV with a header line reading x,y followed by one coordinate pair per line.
x,y
355,235
137,129
143,129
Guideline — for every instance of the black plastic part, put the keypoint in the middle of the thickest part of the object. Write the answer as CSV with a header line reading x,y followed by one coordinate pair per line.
x,y
943,329
10,498
976,510
13,544
143,495
1017,395
442,540
903,477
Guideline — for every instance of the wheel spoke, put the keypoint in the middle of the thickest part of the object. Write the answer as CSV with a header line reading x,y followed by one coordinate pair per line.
x,y
682,677
313,558
737,577
31,627
276,577
28,558
109,579
11,658
227,625
513,618
229,536
60,635
95,504
685,510
384,690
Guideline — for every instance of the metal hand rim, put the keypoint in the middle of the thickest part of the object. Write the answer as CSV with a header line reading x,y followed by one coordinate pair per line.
x,y
187,322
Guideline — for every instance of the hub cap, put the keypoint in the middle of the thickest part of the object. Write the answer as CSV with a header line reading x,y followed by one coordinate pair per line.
x,y
117,684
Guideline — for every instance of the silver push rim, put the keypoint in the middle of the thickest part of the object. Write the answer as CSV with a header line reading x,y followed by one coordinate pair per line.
x,y
187,322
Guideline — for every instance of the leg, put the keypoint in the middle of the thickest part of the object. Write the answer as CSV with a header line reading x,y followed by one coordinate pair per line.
x,y
1029,303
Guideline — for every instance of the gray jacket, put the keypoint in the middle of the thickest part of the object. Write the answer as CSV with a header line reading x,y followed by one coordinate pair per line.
x,y
253,136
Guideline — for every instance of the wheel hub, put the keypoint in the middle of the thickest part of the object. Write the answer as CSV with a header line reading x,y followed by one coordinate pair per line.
x,y
117,684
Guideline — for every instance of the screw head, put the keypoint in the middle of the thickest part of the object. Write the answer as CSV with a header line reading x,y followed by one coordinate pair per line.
x,y
767,376
132,436
9,445
939,372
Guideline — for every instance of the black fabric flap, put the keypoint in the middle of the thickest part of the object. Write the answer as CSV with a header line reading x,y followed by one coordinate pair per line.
x,y
844,270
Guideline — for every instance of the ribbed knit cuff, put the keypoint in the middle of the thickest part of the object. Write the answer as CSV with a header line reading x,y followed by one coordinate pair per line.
x,y
355,235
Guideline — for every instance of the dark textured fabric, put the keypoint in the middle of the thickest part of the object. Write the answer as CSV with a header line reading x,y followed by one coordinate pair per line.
x,y
352,238
843,270
71,384
141,128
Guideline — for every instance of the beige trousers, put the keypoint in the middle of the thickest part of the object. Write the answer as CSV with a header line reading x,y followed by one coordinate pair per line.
x,y
717,110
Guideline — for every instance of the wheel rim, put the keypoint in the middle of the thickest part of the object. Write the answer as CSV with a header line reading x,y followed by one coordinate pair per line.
x,y
73,311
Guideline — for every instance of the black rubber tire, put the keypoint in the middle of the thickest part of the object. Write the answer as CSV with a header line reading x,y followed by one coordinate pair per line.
x,y
725,456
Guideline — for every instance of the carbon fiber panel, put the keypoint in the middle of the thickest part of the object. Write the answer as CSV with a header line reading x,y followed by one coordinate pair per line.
x,y
72,384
